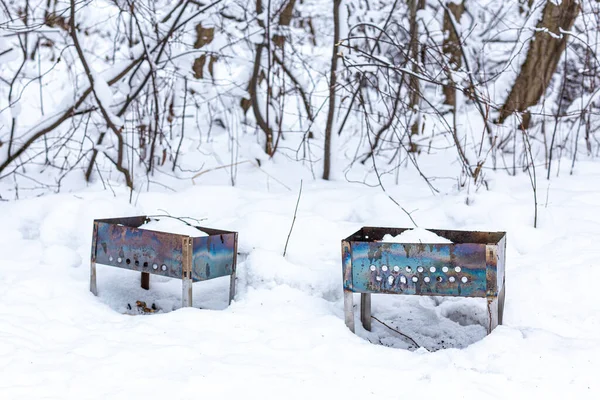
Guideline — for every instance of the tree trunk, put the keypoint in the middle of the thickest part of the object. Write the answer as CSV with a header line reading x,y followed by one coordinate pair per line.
x,y
414,84
285,18
258,73
452,49
332,83
545,51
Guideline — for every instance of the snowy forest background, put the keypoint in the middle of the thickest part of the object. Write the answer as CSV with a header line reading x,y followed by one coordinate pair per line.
x,y
151,93
295,123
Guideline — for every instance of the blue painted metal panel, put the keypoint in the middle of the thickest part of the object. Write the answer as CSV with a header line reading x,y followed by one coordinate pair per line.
x,y
138,249
213,256
421,269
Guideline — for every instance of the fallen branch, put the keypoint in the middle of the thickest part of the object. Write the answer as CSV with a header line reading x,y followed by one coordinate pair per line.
x,y
397,331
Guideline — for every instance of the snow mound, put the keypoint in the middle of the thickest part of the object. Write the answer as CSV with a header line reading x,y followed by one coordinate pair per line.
x,y
417,235
173,225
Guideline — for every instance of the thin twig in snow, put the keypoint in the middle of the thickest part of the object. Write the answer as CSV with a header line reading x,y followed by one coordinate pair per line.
x,y
293,220
181,219
182,123
397,331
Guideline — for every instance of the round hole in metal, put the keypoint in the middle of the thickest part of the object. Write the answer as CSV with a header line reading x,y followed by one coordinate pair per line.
x,y
137,263
415,279
396,268
146,264
432,269
457,269
373,268
154,266
420,269
444,269
408,269
384,268
164,267
128,261
451,279
119,259
110,258
464,279
390,279
439,279
402,279
427,279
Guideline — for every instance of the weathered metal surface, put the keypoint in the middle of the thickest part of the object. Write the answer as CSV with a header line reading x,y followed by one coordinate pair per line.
x,y
347,264
472,266
121,242
213,256
491,261
370,234
186,285
441,270
141,250
463,268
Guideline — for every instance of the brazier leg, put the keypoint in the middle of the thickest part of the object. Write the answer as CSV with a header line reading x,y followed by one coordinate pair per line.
x,y
93,285
365,310
349,309
231,287
501,296
492,314
145,280
186,279
496,310
186,296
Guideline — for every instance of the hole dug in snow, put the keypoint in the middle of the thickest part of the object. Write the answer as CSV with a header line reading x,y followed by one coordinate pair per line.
x,y
120,289
434,323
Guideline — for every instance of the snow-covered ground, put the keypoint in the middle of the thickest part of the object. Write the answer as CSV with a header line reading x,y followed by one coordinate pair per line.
x,y
284,336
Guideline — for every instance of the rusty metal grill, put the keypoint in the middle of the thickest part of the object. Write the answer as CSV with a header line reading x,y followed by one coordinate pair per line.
x,y
122,243
472,266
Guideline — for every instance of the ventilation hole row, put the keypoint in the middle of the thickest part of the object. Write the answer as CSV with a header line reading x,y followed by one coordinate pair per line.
x,y
426,279
396,268
137,263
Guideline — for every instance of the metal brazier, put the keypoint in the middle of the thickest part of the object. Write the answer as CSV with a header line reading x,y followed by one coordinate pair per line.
x,y
123,243
471,266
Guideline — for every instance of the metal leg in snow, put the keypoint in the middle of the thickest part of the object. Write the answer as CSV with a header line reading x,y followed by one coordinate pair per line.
x,y
232,287
93,285
365,310
349,309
